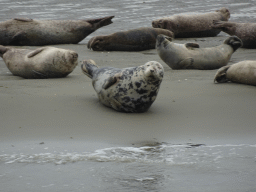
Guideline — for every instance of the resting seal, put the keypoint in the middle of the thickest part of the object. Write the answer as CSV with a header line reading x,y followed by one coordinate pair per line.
x,y
48,32
46,62
132,40
190,56
241,72
245,31
198,25
130,90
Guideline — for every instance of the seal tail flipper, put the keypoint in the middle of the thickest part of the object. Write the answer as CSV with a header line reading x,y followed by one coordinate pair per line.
x,y
234,42
98,23
88,66
221,75
23,19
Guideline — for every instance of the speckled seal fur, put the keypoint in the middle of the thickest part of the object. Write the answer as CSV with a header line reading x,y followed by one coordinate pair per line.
x,y
23,31
245,31
196,25
131,90
242,72
45,62
190,56
140,39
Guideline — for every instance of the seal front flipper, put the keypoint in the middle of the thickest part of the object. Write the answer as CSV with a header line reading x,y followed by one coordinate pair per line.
x,y
192,45
38,75
186,64
88,67
111,81
35,52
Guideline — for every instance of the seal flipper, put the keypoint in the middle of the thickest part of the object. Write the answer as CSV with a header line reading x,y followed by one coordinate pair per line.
x,y
35,52
2,50
192,45
38,75
116,105
220,76
98,23
186,64
23,19
88,67
110,81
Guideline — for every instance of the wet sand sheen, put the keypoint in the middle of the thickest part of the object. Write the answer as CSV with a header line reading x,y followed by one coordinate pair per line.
x,y
196,131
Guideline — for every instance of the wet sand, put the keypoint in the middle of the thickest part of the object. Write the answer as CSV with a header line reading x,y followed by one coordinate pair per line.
x,y
189,107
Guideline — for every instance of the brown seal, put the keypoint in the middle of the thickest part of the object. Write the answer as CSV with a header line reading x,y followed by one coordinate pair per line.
x,y
245,31
198,25
48,32
191,56
132,40
45,62
242,72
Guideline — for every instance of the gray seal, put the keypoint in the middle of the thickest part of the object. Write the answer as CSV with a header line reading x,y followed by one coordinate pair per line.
x,y
196,25
242,72
30,32
131,90
191,56
45,62
245,31
140,39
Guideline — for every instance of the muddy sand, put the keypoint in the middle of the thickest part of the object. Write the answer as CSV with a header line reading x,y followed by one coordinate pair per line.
x,y
189,106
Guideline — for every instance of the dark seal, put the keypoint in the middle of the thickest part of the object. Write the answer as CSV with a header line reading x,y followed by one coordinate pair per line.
x,y
197,25
132,40
131,90
48,32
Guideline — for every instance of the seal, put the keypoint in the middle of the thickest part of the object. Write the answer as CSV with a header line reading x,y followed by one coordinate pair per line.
x,y
197,25
242,72
22,31
45,62
131,90
191,56
245,31
140,39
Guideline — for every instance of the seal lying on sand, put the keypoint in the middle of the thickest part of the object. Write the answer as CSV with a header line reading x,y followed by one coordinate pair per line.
x,y
245,31
198,25
48,32
130,90
132,40
242,72
46,62
190,56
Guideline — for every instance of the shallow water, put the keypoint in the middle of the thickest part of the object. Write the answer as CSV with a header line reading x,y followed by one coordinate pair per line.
x,y
151,167
137,167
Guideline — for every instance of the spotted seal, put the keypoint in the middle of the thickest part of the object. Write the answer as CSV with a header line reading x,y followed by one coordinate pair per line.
x,y
242,72
140,39
196,25
190,56
45,62
131,90
23,31
245,31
